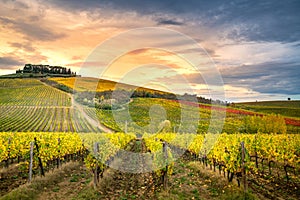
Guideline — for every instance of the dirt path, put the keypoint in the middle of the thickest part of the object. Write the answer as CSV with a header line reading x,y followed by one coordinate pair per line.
x,y
117,184
93,122
73,179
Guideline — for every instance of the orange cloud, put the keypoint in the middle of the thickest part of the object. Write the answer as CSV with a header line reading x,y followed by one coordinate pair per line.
x,y
147,56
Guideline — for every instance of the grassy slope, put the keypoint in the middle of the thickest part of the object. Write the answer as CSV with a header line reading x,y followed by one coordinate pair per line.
x,y
90,84
145,112
139,109
285,108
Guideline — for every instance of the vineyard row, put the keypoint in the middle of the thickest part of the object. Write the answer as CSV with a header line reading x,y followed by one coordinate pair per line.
x,y
43,119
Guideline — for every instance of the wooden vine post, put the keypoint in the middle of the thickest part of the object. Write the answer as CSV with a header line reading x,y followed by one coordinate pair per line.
x,y
256,158
58,158
30,162
8,153
83,151
165,174
96,153
243,167
126,126
39,158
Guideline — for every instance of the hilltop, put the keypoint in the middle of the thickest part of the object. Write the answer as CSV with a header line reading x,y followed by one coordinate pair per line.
x,y
102,86
41,71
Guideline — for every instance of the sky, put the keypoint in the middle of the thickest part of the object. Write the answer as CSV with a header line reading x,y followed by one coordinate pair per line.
x,y
249,49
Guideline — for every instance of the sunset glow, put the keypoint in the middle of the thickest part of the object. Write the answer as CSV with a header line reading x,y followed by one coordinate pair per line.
x,y
256,51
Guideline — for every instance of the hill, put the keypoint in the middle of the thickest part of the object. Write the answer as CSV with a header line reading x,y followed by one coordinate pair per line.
x,y
30,105
234,113
82,84
285,108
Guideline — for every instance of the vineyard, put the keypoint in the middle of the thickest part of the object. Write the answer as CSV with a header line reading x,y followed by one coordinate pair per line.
x,y
16,146
138,119
248,158
234,114
31,93
47,119
29,105
158,157
40,152
270,158
224,151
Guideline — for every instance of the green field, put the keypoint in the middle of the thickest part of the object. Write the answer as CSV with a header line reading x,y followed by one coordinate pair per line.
x,y
145,114
285,108
136,113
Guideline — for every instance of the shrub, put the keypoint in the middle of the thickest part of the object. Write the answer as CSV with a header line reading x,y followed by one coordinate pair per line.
x,y
266,124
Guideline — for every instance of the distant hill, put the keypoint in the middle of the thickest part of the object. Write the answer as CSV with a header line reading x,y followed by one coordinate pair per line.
x,y
85,84
285,108
82,84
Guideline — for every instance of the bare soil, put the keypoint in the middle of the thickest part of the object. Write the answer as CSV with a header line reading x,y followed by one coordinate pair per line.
x,y
11,178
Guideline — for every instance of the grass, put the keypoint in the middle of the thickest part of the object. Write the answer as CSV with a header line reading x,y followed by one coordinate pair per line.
x,y
291,104
285,108
197,182
142,113
88,194
51,182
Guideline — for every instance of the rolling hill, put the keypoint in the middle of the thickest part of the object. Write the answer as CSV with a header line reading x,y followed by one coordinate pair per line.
x,y
285,108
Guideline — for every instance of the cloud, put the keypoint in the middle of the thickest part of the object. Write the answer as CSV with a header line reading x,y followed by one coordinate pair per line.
x,y
169,22
30,30
139,51
9,63
194,78
26,46
247,20
19,4
273,77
